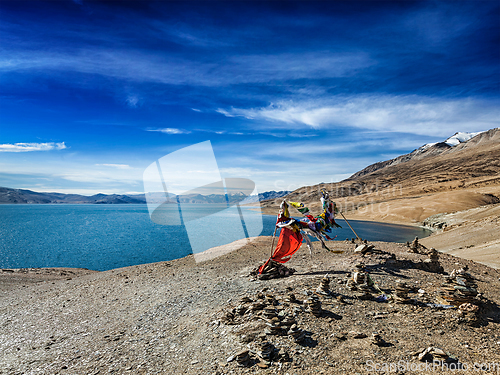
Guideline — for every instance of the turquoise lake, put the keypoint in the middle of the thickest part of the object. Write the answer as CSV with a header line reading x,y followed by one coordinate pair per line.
x,y
103,237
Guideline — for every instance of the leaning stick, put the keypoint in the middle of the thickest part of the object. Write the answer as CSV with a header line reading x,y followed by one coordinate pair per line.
x,y
274,235
358,237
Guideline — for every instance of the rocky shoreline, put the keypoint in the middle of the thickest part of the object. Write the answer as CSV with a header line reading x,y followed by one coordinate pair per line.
x,y
171,317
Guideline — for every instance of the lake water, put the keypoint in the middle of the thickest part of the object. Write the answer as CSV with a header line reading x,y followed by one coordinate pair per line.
x,y
103,237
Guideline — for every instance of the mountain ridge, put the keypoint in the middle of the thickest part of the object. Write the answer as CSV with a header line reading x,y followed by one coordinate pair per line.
x,y
429,149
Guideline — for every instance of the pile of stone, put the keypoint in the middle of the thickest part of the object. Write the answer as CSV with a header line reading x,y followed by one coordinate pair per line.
x,y
360,282
288,321
401,291
324,286
313,305
269,313
291,298
416,247
273,270
297,334
266,351
432,354
364,248
359,275
378,340
257,306
432,263
243,358
273,327
469,314
459,288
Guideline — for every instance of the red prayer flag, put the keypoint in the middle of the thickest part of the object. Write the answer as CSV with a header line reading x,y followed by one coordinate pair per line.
x,y
288,243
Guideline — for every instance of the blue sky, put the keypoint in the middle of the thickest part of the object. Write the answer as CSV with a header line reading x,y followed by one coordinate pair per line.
x,y
289,93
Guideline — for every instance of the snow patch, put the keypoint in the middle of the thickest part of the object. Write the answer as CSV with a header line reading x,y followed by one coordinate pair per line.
x,y
427,145
460,137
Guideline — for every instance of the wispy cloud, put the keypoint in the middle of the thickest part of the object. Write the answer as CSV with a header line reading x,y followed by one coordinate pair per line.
x,y
132,101
406,114
138,66
28,147
169,131
119,166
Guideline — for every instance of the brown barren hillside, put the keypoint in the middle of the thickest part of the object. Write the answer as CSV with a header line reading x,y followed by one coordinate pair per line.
x,y
411,188
469,174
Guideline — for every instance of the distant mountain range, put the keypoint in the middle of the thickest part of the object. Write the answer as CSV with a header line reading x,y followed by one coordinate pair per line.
x,y
21,196
264,196
27,196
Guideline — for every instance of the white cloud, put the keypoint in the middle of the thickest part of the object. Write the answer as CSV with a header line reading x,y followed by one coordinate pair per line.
x,y
407,114
27,147
170,131
119,166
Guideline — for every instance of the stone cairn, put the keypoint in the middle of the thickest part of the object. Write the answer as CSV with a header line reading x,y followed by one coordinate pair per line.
x,y
273,270
359,281
288,320
357,277
243,358
266,352
291,298
241,309
313,305
416,247
377,340
273,327
432,263
432,354
324,286
469,314
297,334
459,288
269,313
401,291
270,300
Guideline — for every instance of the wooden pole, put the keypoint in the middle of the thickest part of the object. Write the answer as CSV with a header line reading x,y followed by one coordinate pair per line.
x,y
274,235
358,237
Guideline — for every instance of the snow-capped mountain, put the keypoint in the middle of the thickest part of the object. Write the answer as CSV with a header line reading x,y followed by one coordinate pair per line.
x,y
454,140
429,149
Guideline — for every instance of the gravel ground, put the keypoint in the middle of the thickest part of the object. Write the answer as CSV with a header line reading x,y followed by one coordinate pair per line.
x,y
166,318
